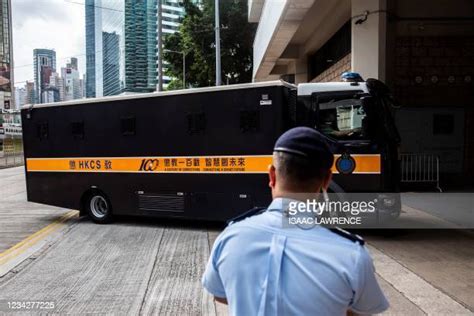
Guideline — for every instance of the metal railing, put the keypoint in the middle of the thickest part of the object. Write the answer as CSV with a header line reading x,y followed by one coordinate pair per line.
x,y
11,153
11,142
420,168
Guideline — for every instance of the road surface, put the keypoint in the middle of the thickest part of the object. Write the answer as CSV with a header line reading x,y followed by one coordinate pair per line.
x,y
150,266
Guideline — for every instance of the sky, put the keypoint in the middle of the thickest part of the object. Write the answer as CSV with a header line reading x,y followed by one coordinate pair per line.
x,y
52,24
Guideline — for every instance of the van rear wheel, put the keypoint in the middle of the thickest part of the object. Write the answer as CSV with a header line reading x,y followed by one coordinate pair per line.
x,y
99,208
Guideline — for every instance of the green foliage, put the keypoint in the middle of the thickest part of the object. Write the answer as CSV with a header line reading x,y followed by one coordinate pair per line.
x,y
175,84
196,38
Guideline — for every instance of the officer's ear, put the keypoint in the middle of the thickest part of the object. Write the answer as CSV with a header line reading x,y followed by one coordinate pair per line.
x,y
271,176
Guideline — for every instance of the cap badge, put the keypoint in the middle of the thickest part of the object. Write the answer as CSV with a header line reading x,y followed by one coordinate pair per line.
x,y
345,164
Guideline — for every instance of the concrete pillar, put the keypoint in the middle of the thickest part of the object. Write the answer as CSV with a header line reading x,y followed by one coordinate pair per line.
x,y
301,70
369,38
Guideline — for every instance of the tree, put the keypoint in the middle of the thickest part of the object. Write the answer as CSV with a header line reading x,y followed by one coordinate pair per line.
x,y
196,38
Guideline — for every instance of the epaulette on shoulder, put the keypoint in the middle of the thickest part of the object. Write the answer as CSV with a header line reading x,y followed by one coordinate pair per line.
x,y
249,213
352,237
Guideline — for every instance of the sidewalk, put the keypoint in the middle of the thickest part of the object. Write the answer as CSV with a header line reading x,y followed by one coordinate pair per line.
x,y
19,218
456,208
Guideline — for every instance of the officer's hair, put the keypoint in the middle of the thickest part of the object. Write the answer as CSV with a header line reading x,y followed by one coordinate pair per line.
x,y
297,172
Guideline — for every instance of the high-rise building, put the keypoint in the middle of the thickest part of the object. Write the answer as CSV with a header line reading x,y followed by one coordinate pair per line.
x,y
30,92
120,46
45,79
6,56
140,45
90,10
172,14
83,85
44,66
105,26
67,78
71,82
111,63
53,88
20,97
50,95
73,63
78,89
77,86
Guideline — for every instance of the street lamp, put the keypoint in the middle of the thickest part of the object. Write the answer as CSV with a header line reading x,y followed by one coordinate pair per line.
x,y
184,64
218,44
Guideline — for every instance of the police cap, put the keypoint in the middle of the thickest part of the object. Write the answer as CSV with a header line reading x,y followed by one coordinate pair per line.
x,y
306,142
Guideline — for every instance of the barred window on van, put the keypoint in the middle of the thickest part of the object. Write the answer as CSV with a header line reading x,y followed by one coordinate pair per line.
x,y
77,130
249,121
196,123
42,130
128,125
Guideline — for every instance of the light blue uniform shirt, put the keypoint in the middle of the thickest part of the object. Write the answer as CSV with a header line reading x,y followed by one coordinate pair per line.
x,y
265,269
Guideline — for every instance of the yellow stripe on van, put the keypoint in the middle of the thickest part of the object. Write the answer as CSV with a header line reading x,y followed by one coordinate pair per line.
x,y
370,164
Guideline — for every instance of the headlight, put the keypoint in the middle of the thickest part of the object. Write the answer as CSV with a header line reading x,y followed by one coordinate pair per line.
x,y
388,202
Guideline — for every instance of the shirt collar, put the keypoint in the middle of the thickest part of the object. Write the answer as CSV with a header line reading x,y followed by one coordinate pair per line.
x,y
281,203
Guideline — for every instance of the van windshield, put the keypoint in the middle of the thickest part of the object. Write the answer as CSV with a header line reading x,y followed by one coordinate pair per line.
x,y
341,117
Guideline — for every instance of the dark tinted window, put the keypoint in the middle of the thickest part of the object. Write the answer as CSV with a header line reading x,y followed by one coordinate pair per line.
x,y
128,125
77,130
196,122
42,130
249,121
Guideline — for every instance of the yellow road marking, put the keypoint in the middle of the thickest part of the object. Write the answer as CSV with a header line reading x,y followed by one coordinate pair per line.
x,y
31,240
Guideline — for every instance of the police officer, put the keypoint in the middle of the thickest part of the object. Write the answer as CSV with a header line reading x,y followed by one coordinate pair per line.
x,y
258,266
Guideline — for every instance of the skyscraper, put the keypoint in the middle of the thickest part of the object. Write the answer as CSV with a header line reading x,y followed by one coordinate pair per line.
x,y
44,66
83,85
20,97
73,63
120,43
53,90
30,92
70,80
111,60
90,48
172,14
6,56
140,45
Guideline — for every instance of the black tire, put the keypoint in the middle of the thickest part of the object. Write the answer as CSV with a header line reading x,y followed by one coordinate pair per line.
x,y
99,208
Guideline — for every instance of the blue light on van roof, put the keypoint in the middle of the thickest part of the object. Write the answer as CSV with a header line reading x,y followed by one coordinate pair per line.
x,y
349,76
